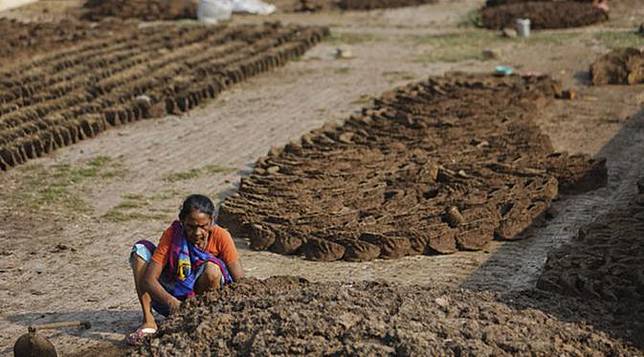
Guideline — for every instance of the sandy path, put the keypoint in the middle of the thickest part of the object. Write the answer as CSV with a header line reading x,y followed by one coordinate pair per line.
x,y
94,282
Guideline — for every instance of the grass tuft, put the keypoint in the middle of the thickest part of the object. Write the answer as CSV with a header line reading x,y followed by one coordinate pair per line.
x,y
349,38
614,40
198,172
456,47
60,187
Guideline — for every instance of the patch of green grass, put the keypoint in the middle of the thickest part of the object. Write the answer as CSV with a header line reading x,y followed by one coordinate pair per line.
x,y
456,47
622,39
60,187
399,75
471,19
133,196
124,216
348,38
553,38
138,207
342,70
127,204
197,172
363,99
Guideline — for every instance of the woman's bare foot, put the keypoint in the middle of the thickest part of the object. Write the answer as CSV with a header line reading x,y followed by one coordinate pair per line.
x,y
137,337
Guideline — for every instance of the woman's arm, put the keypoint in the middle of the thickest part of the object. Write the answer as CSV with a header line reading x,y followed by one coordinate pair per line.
x,y
236,270
153,287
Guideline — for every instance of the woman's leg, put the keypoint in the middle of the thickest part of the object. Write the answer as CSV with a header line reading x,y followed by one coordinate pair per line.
x,y
138,268
210,279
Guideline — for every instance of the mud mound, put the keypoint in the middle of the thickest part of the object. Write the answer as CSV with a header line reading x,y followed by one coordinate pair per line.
x,y
380,4
621,66
287,316
78,91
542,15
141,9
505,2
435,167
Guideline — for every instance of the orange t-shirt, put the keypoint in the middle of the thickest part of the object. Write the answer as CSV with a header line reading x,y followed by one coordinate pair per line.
x,y
220,245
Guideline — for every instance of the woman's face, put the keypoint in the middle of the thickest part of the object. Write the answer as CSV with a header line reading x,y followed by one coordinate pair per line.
x,y
197,228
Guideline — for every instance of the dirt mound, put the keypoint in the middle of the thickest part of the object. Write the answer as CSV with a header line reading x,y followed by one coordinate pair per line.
x,y
148,10
490,3
290,316
78,91
435,167
542,15
380,4
621,66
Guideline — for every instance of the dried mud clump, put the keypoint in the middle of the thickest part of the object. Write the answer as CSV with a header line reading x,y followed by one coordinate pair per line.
x,y
290,316
621,66
542,15
78,91
148,10
435,167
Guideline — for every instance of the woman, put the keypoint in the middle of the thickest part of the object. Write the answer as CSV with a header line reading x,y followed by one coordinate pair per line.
x,y
194,255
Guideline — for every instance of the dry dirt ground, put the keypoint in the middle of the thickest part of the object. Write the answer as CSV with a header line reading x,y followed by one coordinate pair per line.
x,y
67,221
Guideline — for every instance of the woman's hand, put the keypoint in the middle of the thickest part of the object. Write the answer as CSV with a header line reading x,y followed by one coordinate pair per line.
x,y
174,305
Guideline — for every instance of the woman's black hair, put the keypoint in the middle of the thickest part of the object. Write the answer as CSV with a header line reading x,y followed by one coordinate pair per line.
x,y
197,202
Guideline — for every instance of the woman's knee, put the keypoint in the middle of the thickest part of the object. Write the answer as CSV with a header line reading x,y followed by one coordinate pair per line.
x,y
212,273
137,263
141,254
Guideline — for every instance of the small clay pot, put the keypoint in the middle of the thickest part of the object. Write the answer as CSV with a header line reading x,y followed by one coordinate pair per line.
x,y
33,345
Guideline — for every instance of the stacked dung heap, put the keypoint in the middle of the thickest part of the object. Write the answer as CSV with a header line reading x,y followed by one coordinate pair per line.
x,y
290,316
620,66
75,92
542,14
439,166
141,9
21,39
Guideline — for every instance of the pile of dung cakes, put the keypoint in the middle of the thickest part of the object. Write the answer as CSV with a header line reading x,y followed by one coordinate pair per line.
x,y
443,165
79,90
620,66
543,14
290,316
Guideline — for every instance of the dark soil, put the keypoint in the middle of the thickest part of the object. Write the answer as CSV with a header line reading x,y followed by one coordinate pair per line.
x,y
605,261
290,316
435,167
621,66
141,9
542,15
380,4
490,3
79,90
